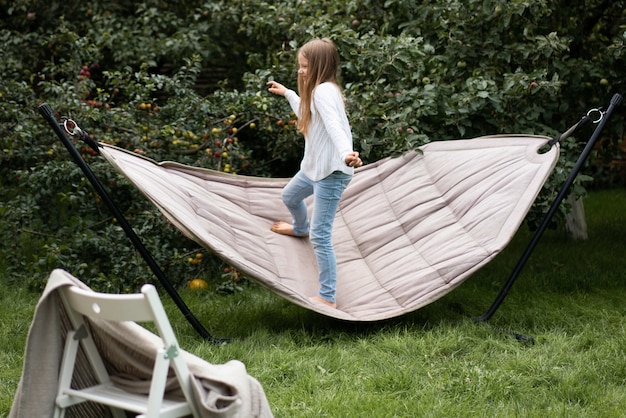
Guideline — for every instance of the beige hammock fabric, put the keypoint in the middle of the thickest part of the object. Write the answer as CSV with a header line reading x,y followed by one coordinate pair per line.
x,y
409,229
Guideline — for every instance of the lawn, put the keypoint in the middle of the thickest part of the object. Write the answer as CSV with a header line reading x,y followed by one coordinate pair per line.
x,y
435,362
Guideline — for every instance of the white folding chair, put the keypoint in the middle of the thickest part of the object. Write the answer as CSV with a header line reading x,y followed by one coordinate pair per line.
x,y
140,307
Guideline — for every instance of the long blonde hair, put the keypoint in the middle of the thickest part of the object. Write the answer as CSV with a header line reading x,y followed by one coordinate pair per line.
x,y
323,65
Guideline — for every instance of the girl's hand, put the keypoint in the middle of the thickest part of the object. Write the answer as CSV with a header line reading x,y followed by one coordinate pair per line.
x,y
276,88
353,160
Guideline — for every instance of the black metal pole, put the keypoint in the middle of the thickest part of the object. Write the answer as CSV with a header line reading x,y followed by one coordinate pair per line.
x,y
47,113
615,101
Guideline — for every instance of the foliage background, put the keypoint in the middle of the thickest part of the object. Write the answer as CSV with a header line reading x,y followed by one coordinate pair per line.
x,y
185,81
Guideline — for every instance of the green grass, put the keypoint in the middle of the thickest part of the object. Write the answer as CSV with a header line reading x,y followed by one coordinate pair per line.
x,y
435,362
16,310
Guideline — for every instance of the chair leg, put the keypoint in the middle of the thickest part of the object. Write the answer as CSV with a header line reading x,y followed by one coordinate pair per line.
x,y
67,371
159,377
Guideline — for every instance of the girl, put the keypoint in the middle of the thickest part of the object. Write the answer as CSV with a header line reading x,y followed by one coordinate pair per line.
x,y
328,162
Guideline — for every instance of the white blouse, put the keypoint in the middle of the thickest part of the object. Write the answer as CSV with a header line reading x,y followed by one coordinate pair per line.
x,y
329,139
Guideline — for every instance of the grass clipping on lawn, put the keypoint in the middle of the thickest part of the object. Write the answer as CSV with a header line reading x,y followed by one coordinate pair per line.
x,y
433,362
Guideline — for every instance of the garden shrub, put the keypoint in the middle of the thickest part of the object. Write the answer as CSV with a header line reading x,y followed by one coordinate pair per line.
x,y
129,73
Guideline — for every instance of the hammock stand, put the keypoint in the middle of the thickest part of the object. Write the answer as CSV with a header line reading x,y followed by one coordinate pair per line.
x,y
61,129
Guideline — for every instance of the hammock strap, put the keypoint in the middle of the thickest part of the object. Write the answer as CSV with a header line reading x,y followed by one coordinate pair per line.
x,y
584,121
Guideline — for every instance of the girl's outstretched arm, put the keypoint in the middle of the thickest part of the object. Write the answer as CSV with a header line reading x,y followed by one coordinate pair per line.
x,y
290,95
276,88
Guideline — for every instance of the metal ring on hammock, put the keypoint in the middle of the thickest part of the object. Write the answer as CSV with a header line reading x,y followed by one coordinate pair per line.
x,y
75,130
600,115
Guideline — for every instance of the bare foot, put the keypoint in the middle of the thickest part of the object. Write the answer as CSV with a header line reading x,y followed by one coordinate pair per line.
x,y
317,299
285,228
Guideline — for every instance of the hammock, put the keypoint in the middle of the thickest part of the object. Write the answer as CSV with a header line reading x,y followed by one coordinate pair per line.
x,y
408,230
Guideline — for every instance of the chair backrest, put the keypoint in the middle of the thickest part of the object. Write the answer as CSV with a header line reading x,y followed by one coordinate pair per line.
x,y
137,307
110,307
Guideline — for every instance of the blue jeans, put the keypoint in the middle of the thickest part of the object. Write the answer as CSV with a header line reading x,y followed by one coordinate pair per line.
x,y
326,195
